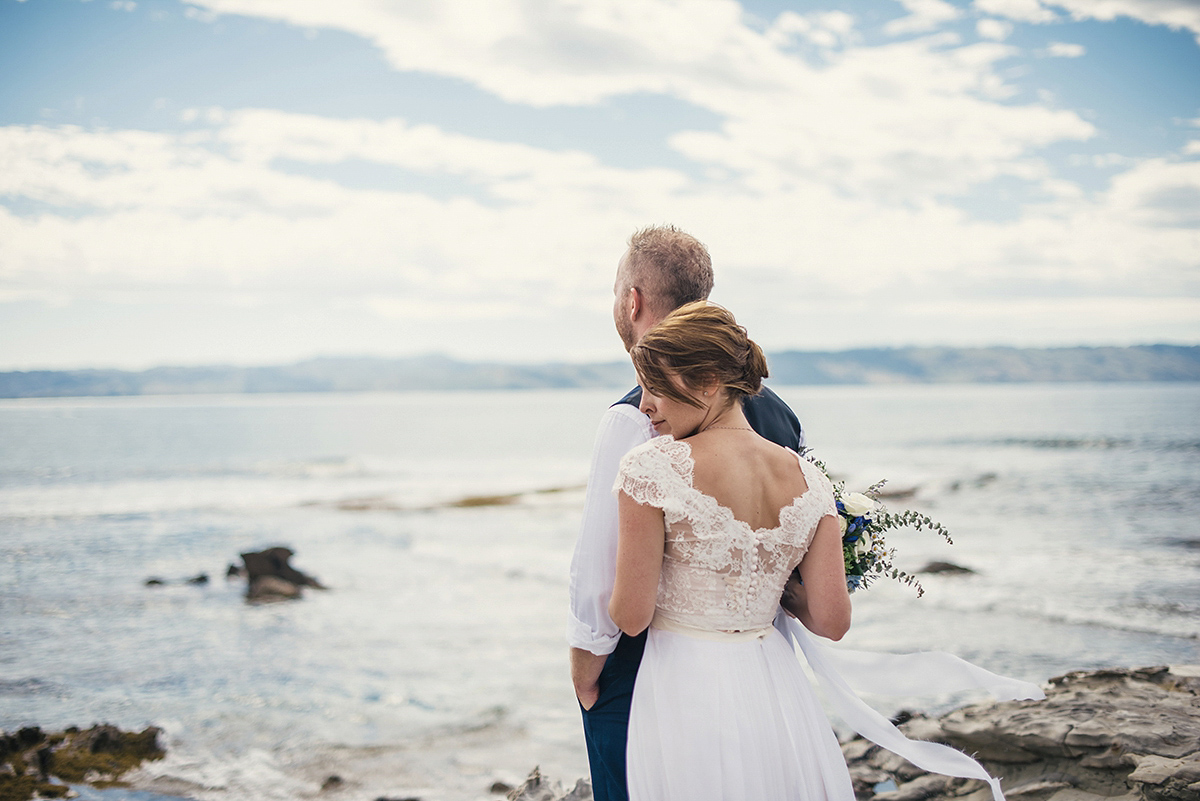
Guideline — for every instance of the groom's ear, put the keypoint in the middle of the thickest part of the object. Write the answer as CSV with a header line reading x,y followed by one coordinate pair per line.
x,y
635,303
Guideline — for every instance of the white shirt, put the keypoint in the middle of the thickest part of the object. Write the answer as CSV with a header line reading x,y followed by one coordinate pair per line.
x,y
594,566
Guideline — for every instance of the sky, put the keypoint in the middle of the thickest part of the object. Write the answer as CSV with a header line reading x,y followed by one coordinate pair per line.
x,y
263,181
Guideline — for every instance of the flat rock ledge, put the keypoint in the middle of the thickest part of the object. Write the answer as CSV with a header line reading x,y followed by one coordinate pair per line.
x,y
34,764
1125,734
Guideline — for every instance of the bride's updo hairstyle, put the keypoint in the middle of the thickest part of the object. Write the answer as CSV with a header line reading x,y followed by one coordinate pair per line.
x,y
699,342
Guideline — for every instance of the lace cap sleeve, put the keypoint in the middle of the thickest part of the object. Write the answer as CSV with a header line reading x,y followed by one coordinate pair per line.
x,y
654,473
820,485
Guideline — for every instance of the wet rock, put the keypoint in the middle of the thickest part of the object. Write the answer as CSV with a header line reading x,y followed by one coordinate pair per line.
x,y
154,582
274,562
948,568
270,588
233,571
200,578
332,782
33,763
500,788
1132,734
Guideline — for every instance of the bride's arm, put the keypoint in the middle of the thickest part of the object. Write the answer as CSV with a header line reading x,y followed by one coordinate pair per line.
x,y
640,543
822,602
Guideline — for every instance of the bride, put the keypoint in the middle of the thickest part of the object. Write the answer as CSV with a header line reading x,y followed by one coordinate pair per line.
x,y
721,708
713,519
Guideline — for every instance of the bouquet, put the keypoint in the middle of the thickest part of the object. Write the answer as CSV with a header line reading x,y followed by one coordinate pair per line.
x,y
864,520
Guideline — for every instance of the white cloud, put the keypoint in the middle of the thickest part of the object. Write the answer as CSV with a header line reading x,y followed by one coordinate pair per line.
x,y
210,211
1192,148
1102,160
923,15
1065,50
824,29
994,29
1022,10
902,121
1174,14
838,180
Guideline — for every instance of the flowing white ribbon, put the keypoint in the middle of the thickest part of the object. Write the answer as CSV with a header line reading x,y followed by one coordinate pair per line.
x,y
925,673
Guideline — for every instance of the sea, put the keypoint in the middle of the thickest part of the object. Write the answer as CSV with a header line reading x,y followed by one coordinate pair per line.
x,y
443,524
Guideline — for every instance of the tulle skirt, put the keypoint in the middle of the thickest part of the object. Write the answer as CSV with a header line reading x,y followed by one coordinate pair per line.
x,y
729,720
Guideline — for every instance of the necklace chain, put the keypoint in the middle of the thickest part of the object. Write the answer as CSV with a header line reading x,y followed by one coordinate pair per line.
x,y
730,428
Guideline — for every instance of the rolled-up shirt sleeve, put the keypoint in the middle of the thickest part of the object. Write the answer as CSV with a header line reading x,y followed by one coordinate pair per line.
x,y
594,566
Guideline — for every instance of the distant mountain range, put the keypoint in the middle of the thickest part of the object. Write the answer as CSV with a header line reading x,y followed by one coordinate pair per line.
x,y
859,366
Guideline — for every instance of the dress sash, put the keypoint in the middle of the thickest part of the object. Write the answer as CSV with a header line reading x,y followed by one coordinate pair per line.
x,y
926,673
660,621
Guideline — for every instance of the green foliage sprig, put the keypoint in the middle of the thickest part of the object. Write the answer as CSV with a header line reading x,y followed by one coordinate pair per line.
x,y
864,519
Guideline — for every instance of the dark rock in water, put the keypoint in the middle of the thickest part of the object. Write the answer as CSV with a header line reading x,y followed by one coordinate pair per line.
x,y
233,571
499,788
270,588
948,568
332,782
274,562
154,582
1132,734
32,761
200,578
406,798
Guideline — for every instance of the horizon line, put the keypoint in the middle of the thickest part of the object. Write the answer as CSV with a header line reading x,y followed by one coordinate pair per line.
x,y
561,362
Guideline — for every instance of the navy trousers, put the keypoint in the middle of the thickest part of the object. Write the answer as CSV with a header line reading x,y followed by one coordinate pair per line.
x,y
606,724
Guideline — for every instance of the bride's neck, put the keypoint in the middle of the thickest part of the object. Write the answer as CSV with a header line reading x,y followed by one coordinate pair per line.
x,y
731,417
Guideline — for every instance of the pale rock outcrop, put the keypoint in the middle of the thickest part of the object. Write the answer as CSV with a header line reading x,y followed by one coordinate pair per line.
x,y
1129,734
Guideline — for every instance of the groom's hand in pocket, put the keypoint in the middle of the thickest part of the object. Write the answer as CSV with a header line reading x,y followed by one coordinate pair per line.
x,y
585,675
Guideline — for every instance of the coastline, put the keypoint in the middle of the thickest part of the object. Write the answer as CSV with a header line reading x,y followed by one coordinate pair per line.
x,y
1127,733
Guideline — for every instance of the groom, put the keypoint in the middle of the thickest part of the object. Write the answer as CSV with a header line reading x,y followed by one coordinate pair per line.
x,y
663,269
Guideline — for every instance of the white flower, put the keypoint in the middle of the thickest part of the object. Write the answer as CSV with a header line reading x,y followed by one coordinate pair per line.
x,y
857,504
842,524
863,545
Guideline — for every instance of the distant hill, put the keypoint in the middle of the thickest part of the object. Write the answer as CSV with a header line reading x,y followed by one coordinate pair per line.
x,y
859,366
986,365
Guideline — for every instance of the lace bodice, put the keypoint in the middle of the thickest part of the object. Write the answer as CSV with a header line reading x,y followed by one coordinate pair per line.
x,y
718,573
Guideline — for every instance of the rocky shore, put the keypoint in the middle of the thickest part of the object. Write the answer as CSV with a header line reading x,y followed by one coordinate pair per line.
x,y
1123,734
1130,734
34,764
1102,735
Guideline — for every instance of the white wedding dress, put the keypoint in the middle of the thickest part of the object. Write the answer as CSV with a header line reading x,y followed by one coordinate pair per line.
x,y
721,707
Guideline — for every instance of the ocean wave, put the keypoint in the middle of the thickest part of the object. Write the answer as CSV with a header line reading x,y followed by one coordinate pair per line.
x,y
1176,620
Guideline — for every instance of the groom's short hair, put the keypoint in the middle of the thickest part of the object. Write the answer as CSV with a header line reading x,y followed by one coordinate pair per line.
x,y
670,267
